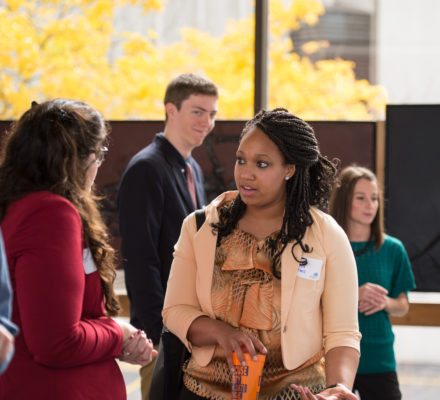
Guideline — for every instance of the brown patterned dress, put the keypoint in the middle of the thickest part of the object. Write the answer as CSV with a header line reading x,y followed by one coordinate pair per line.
x,y
246,295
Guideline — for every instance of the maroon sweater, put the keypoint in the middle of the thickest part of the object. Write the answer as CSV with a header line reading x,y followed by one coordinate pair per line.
x,y
66,347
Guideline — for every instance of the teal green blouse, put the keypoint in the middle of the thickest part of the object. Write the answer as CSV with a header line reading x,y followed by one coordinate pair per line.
x,y
388,267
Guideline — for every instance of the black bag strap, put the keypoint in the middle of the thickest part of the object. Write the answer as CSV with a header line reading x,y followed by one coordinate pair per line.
x,y
175,354
167,375
200,218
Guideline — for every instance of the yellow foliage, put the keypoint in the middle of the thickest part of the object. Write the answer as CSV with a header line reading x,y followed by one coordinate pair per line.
x,y
148,5
137,44
65,48
285,17
314,46
13,5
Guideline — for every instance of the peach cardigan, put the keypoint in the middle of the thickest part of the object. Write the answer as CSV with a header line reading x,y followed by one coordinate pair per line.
x,y
314,313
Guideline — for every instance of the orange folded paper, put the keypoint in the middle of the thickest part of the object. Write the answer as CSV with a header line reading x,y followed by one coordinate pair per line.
x,y
246,379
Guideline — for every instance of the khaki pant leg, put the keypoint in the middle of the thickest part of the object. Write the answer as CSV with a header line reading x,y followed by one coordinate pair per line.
x,y
146,374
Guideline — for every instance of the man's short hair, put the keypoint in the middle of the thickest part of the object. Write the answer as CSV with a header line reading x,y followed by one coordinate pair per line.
x,y
184,85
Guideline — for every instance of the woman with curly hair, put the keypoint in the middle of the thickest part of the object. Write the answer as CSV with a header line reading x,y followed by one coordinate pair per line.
x,y
268,272
60,262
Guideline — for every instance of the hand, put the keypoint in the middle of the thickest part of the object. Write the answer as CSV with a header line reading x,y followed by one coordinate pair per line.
x,y
127,330
372,298
231,339
336,393
138,349
6,343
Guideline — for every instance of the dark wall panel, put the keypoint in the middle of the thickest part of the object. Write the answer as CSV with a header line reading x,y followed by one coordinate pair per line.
x,y
350,142
412,179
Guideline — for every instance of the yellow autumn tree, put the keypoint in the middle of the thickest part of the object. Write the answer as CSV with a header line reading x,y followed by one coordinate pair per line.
x,y
324,90
57,50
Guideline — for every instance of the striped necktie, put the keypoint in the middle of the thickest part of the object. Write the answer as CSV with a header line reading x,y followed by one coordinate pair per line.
x,y
191,185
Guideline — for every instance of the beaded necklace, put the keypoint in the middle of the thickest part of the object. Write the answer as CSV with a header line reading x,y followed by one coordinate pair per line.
x,y
365,248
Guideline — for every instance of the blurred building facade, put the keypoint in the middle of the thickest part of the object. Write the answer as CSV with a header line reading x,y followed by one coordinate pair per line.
x,y
394,43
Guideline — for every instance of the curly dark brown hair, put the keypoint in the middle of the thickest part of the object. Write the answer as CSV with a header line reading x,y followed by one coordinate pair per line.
x,y
47,149
311,184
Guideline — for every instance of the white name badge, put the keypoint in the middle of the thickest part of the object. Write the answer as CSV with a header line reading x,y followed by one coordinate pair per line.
x,y
89,264
310,270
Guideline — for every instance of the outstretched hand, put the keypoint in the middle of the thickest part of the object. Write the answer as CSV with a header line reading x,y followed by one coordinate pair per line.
x,y
338,392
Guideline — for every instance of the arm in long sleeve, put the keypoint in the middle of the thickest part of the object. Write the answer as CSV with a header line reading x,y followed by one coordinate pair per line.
x,y
141,203
340,299
182,307
340,296
50,281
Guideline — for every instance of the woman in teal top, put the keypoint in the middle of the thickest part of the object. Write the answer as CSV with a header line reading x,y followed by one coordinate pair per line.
x,y
384,274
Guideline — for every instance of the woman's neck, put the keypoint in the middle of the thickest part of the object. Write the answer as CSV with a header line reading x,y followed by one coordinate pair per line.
x,y
358,232
261,223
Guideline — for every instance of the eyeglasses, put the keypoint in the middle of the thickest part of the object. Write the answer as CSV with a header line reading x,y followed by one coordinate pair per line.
x,y
100,155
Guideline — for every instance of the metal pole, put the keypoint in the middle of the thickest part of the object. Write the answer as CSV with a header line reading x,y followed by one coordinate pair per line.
x,y
261,51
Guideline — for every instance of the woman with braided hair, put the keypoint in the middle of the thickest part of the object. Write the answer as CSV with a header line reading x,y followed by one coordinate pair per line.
x,y
268,272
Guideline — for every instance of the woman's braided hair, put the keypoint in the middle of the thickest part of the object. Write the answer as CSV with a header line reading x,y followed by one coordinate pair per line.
x,y
311,184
